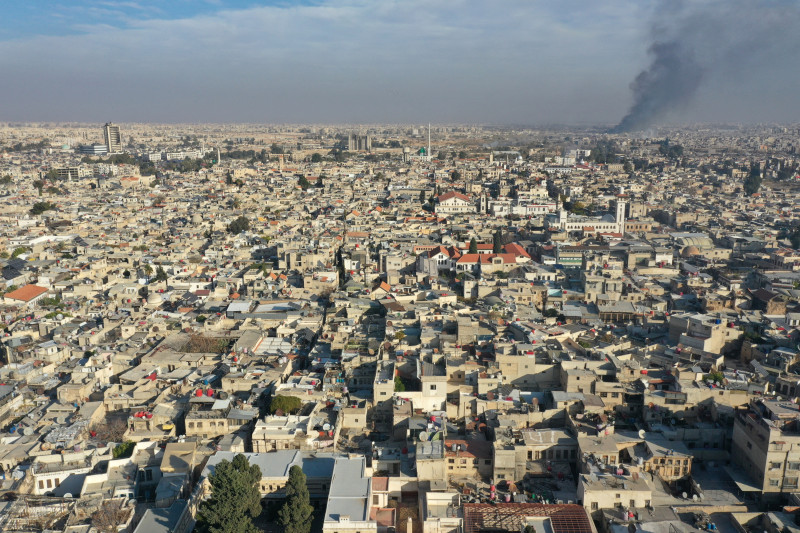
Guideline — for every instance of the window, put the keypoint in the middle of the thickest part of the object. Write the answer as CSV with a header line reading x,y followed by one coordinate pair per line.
x,y
773,482
618,496
594,506
49,483
149,475
41,484
790,482
451,461
375,499
58,482
487,461
774,466
794,466
433,387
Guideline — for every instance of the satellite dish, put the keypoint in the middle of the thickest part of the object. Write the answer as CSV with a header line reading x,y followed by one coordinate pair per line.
x,y
641,433
68,495
423,436
684,495
694,497
326,427
59,316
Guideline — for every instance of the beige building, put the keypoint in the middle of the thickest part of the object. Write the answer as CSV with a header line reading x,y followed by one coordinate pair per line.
x,y
766,446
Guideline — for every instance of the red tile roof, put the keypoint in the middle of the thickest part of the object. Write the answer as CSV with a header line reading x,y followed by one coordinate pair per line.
x,y
26,293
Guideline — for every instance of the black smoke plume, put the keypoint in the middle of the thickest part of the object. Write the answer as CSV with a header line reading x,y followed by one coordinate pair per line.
x,y
669,82
729,45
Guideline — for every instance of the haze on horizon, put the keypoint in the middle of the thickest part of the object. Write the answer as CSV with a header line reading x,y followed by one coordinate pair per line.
x,y
351,61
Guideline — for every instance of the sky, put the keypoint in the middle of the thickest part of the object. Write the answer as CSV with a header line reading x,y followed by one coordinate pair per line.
x,y
521,62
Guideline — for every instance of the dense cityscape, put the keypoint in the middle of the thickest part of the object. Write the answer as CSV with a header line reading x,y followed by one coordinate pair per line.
x,y
407,327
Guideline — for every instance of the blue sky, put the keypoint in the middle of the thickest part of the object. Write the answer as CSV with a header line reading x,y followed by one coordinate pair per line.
x,y
356,61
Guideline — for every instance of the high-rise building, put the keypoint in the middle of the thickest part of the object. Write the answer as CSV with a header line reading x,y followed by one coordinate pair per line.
x,y
112,138
359,143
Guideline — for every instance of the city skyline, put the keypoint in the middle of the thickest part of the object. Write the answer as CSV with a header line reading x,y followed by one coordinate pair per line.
x,y
356,62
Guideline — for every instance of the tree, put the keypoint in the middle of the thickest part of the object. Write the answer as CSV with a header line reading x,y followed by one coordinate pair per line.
x,y
123,450
40,207
38,185
235,498
627,167
303,182
794,238
462,155
497,242
111,430
110,515
320,183
422,198
6,180
316,158
18,251
287,404
239,225
399,386
473,246
295,515
753,181
161,275
455,175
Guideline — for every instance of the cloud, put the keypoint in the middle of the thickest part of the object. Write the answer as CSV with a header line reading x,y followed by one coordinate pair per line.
x,y
339,60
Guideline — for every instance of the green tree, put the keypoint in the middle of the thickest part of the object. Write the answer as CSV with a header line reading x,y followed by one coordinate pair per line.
x,y
753,181
399,386
627,167
40,207
455,175
497,242
161,275
303,182
18,251
295,515
316,158
239,225
235,498
462,155
320,181
422,198
6,180
287,404
123,450
38,185
473,246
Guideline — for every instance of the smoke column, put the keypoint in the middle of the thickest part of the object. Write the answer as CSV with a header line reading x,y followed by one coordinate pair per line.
x,y
670,81
720,42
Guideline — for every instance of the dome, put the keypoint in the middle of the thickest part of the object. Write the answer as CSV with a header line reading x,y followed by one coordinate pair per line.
x,y
197,219
154,299
690,251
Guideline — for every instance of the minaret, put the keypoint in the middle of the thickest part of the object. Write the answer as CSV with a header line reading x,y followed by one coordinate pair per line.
x,y
219,157
429,142
280,163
